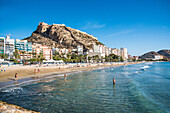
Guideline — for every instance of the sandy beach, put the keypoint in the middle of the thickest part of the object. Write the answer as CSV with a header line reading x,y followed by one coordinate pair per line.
x,y
47,70
25,72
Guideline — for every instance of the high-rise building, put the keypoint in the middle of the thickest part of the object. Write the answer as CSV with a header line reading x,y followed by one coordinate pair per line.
x,y
124,53
106,51
118,52
2,45
114,51
80,50
44,50
24,48
23,45
9,47
95,48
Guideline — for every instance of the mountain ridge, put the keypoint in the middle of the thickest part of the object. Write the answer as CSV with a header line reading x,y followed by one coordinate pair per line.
x,y
165,53
58,35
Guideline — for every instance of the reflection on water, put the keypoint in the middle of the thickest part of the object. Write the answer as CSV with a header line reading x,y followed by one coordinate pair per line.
x,y
94,91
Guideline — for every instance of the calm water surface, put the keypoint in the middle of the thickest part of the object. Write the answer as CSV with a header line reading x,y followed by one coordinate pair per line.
x,y
142,88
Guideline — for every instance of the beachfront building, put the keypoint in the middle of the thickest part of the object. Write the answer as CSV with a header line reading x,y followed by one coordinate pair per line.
x,y
124,53
9,47
80,50
38,49
110,50
135,58
95,48
2,45
102,50
114,51
24,47
118,52
158,57
106,51
55,50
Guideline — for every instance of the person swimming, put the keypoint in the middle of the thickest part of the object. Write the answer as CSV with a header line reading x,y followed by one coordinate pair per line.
x,y
114,81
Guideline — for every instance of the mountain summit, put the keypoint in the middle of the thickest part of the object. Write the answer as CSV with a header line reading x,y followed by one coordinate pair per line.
x,y
58,35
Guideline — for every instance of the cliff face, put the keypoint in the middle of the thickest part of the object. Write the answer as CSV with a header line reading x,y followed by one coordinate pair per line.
x,y
165,53
61,36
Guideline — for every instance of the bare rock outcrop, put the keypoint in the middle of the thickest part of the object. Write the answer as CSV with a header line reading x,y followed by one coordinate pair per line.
x,y
58,35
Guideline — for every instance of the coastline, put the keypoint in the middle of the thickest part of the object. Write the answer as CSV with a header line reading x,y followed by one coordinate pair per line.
x,y
25,72
4,107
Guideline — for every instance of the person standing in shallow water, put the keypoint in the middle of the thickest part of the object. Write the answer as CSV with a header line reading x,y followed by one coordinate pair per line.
x,y
65,77
16,76
114,81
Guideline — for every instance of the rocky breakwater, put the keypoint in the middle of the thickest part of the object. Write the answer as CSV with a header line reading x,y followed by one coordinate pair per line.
x,y
9,108
58,35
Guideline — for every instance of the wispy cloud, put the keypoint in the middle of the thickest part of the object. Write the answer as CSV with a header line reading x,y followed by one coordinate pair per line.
x,y
90,25
121,33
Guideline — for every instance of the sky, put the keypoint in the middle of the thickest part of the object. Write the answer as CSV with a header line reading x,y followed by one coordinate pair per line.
x,y
138,25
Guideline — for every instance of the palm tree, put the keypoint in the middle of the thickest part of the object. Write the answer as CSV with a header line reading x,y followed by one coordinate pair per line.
x,y
30,54
85,57
23,53
34,55
89,59
68,56
80,58
16,54
40,57
102,58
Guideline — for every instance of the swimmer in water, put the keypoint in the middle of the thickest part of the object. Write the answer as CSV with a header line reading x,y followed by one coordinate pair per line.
x,y
114,81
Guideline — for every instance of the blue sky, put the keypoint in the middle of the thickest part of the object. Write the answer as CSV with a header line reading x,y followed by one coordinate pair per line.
x,y
139,25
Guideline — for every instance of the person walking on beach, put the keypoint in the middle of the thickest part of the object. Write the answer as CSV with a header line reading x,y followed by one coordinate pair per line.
x,y
38,70
16,76
35,71
114,81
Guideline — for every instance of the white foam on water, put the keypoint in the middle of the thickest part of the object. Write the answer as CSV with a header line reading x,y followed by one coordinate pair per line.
x,y
144,67
12,89
136,71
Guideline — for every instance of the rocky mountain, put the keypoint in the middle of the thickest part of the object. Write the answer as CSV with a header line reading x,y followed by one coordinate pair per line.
x,y
58,35
149,55
165,53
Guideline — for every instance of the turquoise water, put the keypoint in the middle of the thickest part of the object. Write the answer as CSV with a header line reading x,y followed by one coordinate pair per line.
x,y
141,88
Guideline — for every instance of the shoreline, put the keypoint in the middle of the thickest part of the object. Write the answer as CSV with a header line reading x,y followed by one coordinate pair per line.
x,y
7,81
10,107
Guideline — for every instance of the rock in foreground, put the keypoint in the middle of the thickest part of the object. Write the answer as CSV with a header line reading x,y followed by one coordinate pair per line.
x,y
9,108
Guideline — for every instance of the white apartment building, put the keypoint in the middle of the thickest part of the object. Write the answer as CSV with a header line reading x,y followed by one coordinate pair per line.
x,y
2,45
9,47
80,50
95,48
158,57
124,53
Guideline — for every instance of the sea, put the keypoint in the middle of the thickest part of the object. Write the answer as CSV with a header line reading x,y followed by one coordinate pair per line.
x,y
139,88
